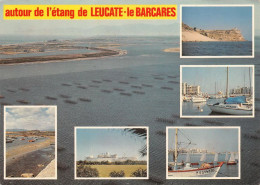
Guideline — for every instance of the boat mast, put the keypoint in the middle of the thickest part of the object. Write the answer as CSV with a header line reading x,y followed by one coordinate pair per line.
x,y
249,82
215,90
176,153
227,85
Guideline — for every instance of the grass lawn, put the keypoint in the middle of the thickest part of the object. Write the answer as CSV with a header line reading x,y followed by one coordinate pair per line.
x,y
104,170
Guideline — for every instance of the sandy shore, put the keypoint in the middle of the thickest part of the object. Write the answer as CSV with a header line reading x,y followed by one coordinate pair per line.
x,y
192,36
172,50
101,53
21,150
48,171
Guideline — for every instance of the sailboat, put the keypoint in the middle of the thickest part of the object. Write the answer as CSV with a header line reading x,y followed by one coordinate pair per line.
x,y
232,105
205,170
203,157
216,158
216,96
232,160
237,157
189,161
226,159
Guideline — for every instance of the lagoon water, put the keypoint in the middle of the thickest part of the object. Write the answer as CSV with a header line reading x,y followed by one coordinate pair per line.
x,y
217,48
145,64
18,142
196,109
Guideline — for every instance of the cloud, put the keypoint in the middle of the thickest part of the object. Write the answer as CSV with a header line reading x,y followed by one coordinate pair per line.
x,y
30,118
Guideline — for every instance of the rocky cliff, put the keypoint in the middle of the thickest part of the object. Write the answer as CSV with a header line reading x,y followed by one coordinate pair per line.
x,y
210,35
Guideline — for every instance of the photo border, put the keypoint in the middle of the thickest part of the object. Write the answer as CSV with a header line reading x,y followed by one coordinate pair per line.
x,y
221,5
56,143
108,178
205,127
218,116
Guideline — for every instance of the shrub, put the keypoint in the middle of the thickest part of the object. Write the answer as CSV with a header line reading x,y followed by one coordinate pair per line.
x,y
139,173
117,174
86,171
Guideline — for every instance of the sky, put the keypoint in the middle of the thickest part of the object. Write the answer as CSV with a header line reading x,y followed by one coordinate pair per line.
x,y
87,28
211,139
206,77
30,118
219,18
114,141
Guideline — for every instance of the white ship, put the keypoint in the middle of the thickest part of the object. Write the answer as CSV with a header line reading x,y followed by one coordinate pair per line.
x,y
110,158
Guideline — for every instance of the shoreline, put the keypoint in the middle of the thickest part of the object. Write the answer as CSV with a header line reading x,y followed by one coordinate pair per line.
x,y
32,163
218,41
121,53
172,50
62,58
53,46
22,150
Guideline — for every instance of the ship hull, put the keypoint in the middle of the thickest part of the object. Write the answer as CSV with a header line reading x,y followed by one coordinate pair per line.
x,y
229,111
198,100
210,172
231,163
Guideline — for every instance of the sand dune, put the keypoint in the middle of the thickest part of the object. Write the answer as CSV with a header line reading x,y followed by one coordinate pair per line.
x,y
192,36
172,50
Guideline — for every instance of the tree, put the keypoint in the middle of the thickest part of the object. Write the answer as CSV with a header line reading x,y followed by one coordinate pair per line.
x,y
117,174
86,171
140,132
139,173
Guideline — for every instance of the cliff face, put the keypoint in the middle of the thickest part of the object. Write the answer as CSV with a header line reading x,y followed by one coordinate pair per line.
x,y
217,35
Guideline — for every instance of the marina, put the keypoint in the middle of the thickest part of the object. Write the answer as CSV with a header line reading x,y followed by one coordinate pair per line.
x,y
230,98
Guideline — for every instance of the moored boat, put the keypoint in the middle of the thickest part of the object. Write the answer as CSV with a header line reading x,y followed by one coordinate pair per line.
x,y
205,170
237,106
232,105
232,160
198,99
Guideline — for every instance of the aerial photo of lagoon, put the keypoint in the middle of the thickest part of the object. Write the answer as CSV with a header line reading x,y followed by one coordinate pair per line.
x,y
108,153
30,137
217,31
137,83
203,152
217,91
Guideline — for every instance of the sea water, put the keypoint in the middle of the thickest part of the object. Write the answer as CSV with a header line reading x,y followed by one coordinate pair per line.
x,y
217,48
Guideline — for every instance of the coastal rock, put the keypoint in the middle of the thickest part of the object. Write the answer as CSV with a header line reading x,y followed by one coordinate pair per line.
x,y
190,34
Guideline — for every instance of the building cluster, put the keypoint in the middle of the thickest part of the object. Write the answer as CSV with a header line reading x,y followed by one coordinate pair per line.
x,y
240,90
192,150
190,89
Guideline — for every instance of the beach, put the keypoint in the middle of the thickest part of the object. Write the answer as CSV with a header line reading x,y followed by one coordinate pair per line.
x,y
31,158
21,150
